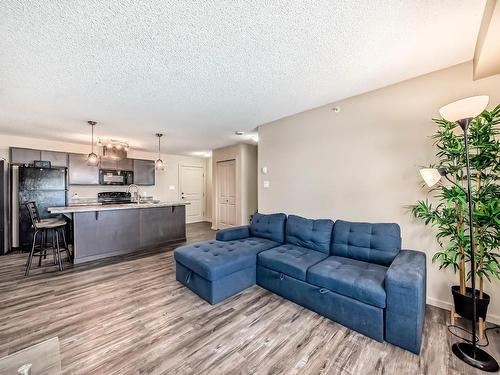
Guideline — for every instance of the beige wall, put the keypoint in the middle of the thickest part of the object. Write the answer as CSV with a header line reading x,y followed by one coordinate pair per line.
x,y
208,190
164,179
362,163
245,156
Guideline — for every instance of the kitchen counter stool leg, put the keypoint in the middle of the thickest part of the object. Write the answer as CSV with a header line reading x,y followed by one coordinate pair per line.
x,y
58,250
30,257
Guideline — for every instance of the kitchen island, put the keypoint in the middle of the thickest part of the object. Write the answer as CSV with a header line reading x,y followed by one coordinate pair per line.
x,y
101,231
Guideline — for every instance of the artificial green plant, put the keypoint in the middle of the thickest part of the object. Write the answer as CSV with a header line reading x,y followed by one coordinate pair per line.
x,y
446,211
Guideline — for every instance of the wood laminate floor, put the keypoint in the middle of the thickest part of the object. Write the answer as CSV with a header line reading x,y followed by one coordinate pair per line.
x,y
128,315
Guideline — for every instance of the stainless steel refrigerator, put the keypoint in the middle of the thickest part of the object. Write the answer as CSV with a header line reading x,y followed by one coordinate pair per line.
x,y
4,207
47,187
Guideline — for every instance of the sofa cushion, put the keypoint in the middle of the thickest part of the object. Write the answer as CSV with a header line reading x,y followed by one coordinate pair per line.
x,y
290,259
270,226
310,233
215,259
374,243
360,280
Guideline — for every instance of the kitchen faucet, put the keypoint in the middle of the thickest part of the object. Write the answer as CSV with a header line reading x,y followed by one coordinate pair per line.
x,y
137,196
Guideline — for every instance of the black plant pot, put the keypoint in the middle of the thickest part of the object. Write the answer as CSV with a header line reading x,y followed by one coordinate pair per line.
x,y
463,303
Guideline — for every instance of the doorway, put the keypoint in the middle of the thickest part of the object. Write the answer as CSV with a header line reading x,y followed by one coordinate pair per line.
x,y
192,186
226,194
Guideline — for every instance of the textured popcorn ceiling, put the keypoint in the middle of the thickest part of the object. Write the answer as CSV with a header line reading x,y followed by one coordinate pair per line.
x,y
199,70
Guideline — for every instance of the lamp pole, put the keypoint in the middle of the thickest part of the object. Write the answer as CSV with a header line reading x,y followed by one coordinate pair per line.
x,y
464,124
470,353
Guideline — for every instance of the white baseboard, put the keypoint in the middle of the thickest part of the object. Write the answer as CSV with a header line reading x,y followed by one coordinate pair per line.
x,y
492,318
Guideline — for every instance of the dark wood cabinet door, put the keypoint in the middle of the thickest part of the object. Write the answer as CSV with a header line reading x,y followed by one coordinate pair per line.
x,y
144,172
125,164
80,173
57,159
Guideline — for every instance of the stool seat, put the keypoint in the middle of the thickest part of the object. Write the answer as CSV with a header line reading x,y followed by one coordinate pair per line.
x,y
42,229
50,223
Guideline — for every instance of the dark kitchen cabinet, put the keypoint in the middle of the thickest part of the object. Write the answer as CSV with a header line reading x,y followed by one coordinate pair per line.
x,y
80,173
125,164
57,159
24,155
144,172
108,163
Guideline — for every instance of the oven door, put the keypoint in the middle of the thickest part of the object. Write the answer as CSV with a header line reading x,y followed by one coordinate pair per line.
x,y
108,177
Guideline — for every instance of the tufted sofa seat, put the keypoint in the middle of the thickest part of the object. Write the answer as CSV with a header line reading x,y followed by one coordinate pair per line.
x,y
216,270
216,259
290,259
362,281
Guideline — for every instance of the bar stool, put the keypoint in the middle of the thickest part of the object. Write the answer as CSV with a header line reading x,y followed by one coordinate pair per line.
x,y
42,228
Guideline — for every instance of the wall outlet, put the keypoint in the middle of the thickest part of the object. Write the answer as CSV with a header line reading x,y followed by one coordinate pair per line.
x,y
266,183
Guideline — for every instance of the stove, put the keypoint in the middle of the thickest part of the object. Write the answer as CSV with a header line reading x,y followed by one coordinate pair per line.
x,y
114,197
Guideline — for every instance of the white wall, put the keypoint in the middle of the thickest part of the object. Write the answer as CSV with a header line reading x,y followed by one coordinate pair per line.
x,y
164,179
362,163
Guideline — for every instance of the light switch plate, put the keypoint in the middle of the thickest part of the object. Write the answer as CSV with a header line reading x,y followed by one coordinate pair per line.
x,y
171,187
266,183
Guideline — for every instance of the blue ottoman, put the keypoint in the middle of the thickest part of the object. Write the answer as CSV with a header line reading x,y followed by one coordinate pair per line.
x,y
216,270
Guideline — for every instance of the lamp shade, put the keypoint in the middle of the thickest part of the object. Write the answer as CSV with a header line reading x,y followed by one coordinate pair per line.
x,y
431,176
464,108
159,164
92,159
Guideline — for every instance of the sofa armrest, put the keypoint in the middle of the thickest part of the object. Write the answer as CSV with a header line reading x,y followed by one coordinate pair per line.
x,y
405,287
231,234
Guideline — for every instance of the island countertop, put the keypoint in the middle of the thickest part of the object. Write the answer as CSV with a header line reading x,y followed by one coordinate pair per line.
x,y
112,207
100,231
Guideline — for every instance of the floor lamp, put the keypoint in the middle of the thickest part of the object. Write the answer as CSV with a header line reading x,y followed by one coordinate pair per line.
x,y
463,112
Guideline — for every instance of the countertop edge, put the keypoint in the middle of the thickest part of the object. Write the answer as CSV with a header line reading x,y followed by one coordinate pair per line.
x,y
94,208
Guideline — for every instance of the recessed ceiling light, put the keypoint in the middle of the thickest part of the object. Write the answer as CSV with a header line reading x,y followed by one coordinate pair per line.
x,y
239,132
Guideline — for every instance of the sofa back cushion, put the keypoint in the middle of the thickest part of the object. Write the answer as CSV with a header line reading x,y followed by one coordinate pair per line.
x,y
270,226
374,243
309,233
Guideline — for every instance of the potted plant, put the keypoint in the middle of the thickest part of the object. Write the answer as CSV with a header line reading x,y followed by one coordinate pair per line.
x,y
448,210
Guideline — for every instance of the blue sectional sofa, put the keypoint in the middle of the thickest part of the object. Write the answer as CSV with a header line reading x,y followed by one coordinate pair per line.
x,y
353,273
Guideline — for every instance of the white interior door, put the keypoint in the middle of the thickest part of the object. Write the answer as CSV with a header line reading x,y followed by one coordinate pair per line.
x,y
192,183
226,194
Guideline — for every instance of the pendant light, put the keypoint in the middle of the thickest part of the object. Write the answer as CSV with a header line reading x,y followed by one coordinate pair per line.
x,y
92,158
159,163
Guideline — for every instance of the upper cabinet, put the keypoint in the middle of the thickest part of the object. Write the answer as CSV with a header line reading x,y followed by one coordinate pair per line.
x,y
80,173
24,155
57,159
108,163
125,164
144,172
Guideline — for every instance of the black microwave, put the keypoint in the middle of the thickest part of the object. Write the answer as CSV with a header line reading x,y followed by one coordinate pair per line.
x,y
113,177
